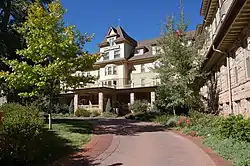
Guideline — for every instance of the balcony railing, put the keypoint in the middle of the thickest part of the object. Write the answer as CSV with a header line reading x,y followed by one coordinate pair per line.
x,y
225,7
216,24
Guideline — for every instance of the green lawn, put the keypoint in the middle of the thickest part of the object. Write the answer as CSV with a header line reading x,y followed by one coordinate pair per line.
x,y
65,137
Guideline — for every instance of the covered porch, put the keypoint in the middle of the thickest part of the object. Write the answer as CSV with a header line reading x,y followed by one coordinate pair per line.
x,y
97,98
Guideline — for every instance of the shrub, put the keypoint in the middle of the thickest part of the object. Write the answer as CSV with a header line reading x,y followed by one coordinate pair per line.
x,y
108,114
231,149
237,127
95,112
139,106
183,121
20,133
162,119
171,122
80,112
143,116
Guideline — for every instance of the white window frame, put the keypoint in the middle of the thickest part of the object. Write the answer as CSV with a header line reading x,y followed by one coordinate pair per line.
x,y
117,54
111,41
114,70
143,68
106,56
109,68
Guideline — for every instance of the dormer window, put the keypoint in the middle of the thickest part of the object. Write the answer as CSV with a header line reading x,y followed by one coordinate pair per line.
x,y
106,56
156,50
139,51
117,54
111,41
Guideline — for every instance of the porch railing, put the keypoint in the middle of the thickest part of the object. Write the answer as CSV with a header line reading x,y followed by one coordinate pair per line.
x,y
89,106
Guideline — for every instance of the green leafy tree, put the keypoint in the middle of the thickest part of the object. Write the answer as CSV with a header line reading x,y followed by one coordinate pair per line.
x,y
55,52
179,66
12,12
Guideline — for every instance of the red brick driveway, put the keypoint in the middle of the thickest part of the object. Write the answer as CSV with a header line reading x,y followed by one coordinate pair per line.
x,y
129,143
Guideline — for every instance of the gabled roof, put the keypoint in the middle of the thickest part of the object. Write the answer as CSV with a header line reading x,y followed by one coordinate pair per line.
x,y
122,36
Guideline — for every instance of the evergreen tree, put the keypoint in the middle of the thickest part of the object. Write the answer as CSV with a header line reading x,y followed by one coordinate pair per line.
x,y
108,106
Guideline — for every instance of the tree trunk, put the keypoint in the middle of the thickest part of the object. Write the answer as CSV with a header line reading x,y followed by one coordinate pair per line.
x,y
50,122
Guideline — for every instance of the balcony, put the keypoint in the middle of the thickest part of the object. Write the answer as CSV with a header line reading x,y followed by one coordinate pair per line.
x,y
226,4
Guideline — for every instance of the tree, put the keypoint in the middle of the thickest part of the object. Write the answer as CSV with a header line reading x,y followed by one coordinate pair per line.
x,y
12,12
108,106
179,66
55,52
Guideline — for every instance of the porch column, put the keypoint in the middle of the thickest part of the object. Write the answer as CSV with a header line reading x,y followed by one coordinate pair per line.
x,y
152,98
132,98
100,99
75,102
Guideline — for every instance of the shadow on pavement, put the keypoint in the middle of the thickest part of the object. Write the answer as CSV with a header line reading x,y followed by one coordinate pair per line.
x,y
124,127
101,126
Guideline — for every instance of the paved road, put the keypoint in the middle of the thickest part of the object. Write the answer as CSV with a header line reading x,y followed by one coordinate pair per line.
x,y
146,144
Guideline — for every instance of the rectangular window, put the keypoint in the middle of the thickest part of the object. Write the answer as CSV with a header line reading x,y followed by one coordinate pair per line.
x,y
109,83
114,70
117,54
111,41
114,82
142,68
248,105
106,56
105,71
142,82
248,66
109,70
238,106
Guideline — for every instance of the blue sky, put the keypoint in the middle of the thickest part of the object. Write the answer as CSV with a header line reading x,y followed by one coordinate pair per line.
x,y
141,19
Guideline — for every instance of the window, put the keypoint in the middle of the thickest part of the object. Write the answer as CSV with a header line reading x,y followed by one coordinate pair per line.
x,y
142,68
237,106
139,51
109,83
111,41
109,70
248,105
114,82
117,54
142,82
114,70
248,66
106,56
